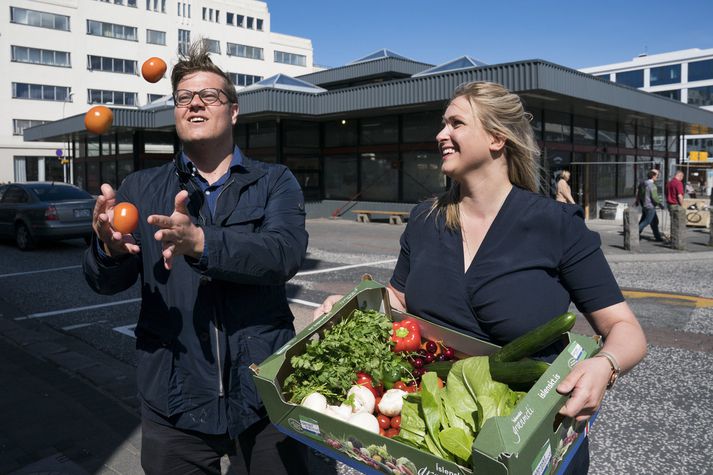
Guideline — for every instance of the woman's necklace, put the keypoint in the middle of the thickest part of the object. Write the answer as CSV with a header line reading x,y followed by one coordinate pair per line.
x,y
467,254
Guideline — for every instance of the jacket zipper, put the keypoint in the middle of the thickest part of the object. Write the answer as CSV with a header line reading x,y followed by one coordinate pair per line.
x,y
221,390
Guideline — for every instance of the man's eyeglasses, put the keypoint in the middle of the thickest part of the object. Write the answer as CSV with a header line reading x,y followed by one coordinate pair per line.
x,y
209,95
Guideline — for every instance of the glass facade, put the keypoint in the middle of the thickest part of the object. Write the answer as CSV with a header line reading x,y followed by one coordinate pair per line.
x,y
558,127
379,176
670,74
422,177
674,94
700,96
341,174
379,130
700,70
631,78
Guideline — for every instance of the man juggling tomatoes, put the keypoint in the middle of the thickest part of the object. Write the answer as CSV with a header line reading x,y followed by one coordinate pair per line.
x,y
218,238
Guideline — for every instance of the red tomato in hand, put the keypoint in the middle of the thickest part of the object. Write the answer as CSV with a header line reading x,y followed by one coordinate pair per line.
x,y
98,119
126,218
153,69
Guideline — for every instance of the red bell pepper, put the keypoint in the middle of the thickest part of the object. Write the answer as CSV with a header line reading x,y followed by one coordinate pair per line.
x,y
407,335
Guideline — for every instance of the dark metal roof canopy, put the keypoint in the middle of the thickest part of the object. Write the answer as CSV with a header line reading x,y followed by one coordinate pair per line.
x,y
540,83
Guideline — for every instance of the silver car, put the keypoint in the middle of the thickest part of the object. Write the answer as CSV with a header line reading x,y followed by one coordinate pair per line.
x,y
39,211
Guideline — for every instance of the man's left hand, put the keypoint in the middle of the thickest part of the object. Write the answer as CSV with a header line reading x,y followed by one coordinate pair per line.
x,y
178,235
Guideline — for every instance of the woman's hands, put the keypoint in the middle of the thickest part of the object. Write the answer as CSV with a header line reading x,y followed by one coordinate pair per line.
x,y
586,385
326,306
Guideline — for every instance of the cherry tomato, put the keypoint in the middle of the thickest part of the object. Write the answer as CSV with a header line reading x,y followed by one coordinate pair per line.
x,y
98,119
400,385
384,421
396,422
363,378
126,218
382,432
376,402
392,432
153,69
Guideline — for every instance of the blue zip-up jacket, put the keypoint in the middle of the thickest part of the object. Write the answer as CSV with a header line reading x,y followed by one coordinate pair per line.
x,y
205,321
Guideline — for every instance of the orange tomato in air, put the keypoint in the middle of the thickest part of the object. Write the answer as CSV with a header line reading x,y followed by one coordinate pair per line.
x,y
126,218
98,119
153,69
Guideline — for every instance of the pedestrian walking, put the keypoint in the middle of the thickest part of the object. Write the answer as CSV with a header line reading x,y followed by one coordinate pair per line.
x,y
647,197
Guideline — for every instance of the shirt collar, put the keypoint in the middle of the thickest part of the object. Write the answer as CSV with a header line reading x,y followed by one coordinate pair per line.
x,y
237,160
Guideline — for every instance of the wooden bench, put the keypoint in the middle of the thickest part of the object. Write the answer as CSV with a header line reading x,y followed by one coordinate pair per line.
x,y
395,217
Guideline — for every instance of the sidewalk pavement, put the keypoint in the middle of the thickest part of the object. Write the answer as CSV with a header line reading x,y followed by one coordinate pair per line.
x,y
86,401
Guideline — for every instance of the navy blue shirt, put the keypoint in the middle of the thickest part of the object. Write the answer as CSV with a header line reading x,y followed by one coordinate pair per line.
x,y
537,256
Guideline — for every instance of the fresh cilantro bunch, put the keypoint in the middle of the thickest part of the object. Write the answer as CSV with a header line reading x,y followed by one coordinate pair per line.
x,y
360,342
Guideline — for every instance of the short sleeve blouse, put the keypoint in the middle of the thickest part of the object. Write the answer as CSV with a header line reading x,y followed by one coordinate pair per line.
x,y
537,257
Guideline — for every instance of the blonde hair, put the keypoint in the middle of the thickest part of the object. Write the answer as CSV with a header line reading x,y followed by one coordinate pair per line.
x,y
502,115
565,174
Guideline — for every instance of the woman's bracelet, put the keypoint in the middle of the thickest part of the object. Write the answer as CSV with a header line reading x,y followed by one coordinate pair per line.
x,y
615,368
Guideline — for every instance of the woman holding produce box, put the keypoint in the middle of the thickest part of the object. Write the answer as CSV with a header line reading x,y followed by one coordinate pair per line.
x,y
493,259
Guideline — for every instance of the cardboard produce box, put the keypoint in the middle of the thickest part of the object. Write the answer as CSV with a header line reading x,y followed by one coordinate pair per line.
x,y
533,439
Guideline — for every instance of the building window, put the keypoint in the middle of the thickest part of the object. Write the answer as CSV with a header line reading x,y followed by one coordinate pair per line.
x,y
111,65
22,54
258,24
340,133
154,97
184,9
250,23
558,127
422,177
670,74
40,92
243,79
245,51
155,5
290,58
700,70
155,37
379,173
229,17
674,94
379,130
583,131
421,126
239,20
212,46
700,96
184,41
19,125
119,98
24,16
341,176
111,30
631,78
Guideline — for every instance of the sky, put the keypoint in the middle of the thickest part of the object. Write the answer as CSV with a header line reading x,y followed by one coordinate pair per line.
x,y
572,33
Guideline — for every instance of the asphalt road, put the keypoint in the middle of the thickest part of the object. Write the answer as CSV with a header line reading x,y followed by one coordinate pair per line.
x,y
656,420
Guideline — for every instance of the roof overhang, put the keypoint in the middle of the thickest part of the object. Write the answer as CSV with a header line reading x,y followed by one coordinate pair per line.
x,y
540,84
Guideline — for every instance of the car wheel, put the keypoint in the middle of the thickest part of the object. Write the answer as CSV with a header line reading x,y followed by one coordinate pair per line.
x,y
23,238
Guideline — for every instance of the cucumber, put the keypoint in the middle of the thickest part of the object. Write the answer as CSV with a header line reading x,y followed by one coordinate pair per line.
x,y
521,373
535,340
441,368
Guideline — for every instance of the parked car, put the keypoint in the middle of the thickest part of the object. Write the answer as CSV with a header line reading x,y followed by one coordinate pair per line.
x,y
40,211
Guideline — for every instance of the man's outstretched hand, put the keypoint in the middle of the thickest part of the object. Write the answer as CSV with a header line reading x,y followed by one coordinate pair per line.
x,y
115,243
178,235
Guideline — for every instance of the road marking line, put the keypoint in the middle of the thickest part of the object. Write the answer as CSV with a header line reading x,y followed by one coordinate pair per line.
x,y
304,302
691,300
82,325
75,309
321,271
16,274
127,330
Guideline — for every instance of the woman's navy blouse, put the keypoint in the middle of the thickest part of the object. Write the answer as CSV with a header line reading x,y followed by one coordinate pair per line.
x,y
537,256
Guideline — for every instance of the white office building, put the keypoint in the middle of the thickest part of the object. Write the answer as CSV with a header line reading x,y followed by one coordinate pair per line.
x,y
59,57
686,76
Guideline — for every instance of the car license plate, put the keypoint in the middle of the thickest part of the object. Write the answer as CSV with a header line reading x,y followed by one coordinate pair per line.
x,y
82,213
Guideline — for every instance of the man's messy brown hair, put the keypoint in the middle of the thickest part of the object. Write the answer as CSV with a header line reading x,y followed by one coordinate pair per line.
x,y
197,59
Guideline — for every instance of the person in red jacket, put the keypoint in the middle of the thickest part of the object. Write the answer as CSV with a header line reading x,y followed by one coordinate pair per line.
x,y
674,190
